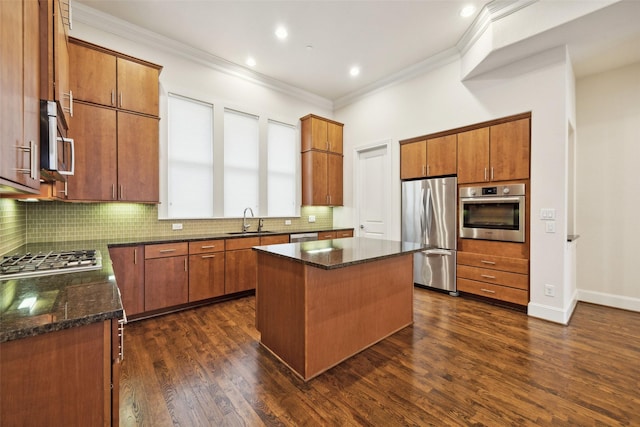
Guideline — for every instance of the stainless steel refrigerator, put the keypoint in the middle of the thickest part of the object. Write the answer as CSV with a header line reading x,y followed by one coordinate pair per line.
x,y
429,217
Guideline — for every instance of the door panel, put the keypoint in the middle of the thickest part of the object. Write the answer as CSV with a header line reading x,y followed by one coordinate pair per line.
x,y
373,192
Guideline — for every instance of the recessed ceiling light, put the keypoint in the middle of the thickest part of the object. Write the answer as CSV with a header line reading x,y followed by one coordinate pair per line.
x,y
467,11
354,71
281,33
251,62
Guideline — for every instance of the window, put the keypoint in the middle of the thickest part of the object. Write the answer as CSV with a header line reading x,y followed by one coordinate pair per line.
x,y
282,179
190,158
241,163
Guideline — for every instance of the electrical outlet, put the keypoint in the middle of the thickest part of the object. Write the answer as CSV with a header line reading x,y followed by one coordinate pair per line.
x,y
176,227
549,290
312,218
287,222
550,226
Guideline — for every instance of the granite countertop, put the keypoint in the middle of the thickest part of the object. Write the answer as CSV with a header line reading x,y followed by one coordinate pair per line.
x,y
75,299
338,253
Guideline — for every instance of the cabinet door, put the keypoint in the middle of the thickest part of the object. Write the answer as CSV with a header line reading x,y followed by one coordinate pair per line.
x,y
166,282
61,61
94,132
510,150
137,87
334,180
334,137
326,235
314,134
206,276
137,158
442,156
413,160
473,156
128,266
241,270
274,240
314,178
93,75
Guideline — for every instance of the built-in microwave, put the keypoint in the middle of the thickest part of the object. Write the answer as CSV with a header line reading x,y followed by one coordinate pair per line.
x,y
57,159
493,213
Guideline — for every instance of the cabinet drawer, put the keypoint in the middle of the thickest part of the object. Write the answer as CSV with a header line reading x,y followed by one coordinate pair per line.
x,y
274,240
513,280
516,296
165,250
344,233
206,246
242,243
514,265
326,235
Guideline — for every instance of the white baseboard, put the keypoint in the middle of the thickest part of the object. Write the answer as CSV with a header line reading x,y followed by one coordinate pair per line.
x,y
610,300
552,314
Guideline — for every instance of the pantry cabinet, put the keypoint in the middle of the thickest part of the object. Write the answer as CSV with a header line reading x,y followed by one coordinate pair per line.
x,y
108,78
428,157
166,275
19,96
128,267
495,153
206,269
322,161
116,155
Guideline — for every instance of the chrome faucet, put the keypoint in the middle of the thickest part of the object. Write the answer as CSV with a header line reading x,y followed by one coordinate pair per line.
x,y
260,224
245,224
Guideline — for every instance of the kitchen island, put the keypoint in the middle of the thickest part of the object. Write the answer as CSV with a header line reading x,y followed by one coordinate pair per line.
x,y
319,303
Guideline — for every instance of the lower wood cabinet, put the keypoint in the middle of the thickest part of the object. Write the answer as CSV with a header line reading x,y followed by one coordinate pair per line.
x,y
66,378
206,269
496,277
128,266
166,275
326,235
241,265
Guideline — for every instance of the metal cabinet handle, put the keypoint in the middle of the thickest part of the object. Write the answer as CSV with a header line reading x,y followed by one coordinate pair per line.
x,y
486,276
135,256
165,251
65,192
207,246
208,256
485,174
120,100
31,170
424,170
491,174
69,96
185,265
113,191
113,97
121,192
487,290
487,262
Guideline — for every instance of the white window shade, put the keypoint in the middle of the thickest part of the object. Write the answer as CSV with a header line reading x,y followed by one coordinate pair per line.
x,y
282,150
190,158
241,166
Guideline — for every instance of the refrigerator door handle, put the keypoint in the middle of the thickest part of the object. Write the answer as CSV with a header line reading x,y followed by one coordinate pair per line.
x,y
422,215
437,252
428,212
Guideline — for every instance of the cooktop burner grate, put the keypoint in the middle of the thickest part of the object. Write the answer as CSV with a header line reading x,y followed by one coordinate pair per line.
x,y
41,264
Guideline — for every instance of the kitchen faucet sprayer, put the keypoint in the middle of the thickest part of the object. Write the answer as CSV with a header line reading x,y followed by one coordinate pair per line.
x,y
245,224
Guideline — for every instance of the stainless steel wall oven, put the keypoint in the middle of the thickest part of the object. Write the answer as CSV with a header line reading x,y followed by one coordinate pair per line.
x,y
493,213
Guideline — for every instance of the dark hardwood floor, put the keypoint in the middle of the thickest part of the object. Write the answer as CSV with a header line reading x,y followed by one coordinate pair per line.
x,y
463,362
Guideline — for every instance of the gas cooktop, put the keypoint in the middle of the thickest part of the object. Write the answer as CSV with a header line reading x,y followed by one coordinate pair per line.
x,y
44,264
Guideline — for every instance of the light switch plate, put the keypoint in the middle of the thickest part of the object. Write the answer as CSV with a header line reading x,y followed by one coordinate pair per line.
x,y
176,227
547,214
312,218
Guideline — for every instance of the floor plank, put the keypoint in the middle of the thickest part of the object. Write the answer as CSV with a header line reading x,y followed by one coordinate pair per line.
x,y
462,362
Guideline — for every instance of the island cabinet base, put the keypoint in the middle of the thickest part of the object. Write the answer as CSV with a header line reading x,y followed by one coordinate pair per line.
x,y
312,318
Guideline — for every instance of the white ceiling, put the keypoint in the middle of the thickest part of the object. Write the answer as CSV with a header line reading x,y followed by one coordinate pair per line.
x,y
326,38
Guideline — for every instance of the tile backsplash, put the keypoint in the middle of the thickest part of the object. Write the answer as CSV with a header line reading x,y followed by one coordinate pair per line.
x,y
58,221
12,225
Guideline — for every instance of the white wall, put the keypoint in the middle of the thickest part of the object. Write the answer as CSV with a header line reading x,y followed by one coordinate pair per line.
x,y
439,101
608,198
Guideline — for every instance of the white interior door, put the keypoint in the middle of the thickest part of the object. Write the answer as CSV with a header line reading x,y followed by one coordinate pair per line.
x,y
373,191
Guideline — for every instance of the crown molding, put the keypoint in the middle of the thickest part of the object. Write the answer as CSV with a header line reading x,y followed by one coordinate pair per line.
x,y
490,13
431,63
124,29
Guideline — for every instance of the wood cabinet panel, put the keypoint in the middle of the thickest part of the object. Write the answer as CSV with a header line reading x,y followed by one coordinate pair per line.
x,y
166,281
321,134
413,160
137,87
326,235
514,265
94,131
206,275
138,153
314,178
344,233
502,293
242,243
473,156
163,250
274,240
442,155
334,179
334,137
206,246
498,277
128,266
240,270
93,75
510,150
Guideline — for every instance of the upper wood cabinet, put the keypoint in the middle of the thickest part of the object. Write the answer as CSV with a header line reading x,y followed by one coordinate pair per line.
x,y
54,54
429,157
322,162
495,153
109,78
321,134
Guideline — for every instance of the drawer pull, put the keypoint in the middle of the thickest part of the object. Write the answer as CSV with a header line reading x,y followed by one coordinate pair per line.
x,y
486,276
164,251
207,246
487,290
208,256
488,262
